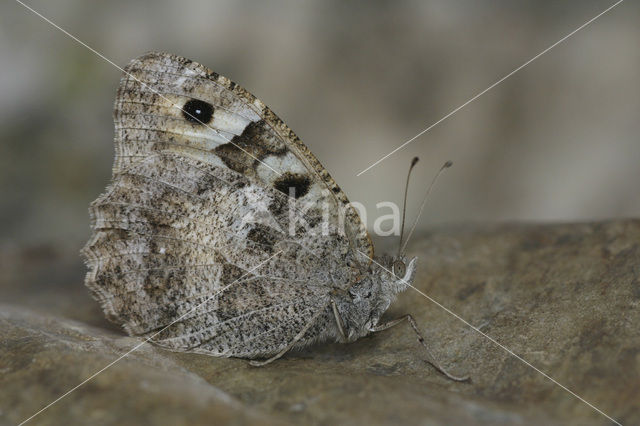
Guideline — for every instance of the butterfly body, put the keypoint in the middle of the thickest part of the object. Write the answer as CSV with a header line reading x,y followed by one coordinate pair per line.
x,y
362,306
220,232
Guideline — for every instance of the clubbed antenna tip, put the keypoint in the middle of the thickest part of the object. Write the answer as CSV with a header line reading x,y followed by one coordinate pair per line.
x,y
446,165
414,161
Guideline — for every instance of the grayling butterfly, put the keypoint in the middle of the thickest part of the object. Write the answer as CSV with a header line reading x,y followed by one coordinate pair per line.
x,y
221,233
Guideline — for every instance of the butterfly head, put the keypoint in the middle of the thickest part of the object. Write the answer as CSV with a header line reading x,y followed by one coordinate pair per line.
x,y
371,296
398,274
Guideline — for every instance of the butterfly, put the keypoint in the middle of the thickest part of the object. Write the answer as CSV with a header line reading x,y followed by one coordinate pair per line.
x,y
221,233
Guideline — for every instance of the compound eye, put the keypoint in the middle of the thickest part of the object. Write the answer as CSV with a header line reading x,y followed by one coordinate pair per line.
x,y
399,268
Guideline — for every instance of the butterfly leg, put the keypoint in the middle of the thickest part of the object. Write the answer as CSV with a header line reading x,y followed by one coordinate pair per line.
x,y
431,359
295,340
338,318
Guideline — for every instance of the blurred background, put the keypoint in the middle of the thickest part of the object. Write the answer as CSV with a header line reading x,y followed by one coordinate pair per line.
x,y
558,141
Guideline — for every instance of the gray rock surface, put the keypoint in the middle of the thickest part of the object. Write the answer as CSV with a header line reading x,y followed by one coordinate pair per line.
x,y
565,297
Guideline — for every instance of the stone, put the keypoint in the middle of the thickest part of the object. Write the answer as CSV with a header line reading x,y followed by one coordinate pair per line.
x,y
564,297
42,357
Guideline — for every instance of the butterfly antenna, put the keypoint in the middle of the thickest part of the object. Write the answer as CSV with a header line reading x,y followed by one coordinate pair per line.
x,y
404,203
424,202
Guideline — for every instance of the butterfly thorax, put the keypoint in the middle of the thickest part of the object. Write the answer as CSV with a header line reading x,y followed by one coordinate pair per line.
x,y
363,304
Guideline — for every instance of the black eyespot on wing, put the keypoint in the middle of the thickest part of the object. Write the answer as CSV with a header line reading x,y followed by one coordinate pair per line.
x,y
197,111
299,183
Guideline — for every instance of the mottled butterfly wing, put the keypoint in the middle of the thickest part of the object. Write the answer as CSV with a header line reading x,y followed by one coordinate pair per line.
x,y
168,103
194,230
